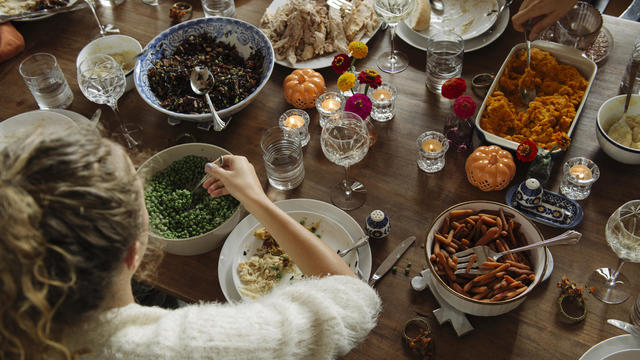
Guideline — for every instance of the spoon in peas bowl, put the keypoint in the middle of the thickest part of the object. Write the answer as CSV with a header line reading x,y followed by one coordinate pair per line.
x,y
201,83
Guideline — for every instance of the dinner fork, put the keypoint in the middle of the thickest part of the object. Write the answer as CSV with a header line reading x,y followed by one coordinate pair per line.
x,y
483,252
341,4
358,244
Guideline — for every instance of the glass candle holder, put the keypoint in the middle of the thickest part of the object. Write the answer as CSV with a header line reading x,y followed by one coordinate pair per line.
x,y
432,147
383,102
578,175
329,106
296,121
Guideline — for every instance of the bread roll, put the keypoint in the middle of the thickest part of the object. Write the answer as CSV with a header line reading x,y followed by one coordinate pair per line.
x,y
420,18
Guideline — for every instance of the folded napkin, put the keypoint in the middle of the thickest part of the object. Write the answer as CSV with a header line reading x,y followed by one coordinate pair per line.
x,y
11,42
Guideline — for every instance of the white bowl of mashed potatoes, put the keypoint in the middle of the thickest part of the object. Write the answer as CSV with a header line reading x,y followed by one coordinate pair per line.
x,y
620,139
120,47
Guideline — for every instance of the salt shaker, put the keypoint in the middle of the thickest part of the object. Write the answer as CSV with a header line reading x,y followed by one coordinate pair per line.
x,y
377,224
626,82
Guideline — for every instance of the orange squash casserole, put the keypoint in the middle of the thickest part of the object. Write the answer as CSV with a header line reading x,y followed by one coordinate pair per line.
x,y
560,89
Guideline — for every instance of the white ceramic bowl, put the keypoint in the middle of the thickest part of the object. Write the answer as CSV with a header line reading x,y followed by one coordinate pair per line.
x,y
468,305
201,243
110,45
610,112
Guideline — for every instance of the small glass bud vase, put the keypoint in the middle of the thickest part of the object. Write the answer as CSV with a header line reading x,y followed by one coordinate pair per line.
x,y
540,168
459,131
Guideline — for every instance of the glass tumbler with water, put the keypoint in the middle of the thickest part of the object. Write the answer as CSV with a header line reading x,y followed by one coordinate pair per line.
x,y
445,51
45,80
213,8
282,155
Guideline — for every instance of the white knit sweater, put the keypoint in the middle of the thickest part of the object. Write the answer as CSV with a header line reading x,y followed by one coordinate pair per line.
x,y
311,319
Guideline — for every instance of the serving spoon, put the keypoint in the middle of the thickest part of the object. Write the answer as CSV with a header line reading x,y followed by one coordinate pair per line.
x,y
201,82
528,94
437,6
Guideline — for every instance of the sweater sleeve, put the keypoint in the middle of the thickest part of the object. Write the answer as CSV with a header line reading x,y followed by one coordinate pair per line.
x,y
311,319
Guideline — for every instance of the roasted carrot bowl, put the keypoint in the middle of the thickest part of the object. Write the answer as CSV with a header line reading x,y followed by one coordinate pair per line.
x,y
506,282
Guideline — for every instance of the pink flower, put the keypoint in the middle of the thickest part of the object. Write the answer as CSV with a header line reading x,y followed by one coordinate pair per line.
x,y
464,107
359,104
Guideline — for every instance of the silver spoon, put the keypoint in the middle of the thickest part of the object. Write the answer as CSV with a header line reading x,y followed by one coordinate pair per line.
x,y
437,6
201,82
528,94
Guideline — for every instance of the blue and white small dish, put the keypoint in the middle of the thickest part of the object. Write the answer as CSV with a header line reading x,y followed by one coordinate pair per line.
x,y
547,208
377,224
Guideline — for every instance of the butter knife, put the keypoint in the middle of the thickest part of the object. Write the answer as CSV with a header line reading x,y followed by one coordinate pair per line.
x,y
391,259
623,325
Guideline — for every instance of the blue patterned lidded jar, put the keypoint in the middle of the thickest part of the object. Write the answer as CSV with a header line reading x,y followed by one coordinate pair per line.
x,y
377,224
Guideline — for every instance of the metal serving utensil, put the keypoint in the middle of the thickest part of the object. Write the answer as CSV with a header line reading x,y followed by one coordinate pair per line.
x,y
528,94
501,8
201,82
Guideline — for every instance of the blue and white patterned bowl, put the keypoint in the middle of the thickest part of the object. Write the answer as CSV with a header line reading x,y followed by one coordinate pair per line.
x,y
243,35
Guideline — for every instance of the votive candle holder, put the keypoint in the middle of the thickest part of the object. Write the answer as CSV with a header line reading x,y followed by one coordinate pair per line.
x,y
578,175
296,121
329,106
432,146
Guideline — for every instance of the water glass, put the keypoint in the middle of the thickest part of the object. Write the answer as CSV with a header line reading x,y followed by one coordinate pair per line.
x,y
383,100
432,147
635,312
329,105
445,51
296,121
578,175
282,154
213,8
580,26
45,80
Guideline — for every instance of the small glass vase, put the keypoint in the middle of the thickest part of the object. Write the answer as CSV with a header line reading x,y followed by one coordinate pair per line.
x,y
540,168
459,132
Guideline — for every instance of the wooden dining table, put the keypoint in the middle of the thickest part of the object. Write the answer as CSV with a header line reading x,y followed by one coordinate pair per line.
x,y
410,197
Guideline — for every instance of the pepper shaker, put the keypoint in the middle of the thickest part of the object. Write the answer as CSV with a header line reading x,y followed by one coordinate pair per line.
x,y
377,224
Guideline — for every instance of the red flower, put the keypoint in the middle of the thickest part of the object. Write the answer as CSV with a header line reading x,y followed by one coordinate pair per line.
x,y
527,151
464,107
370,77
341,63
359,104
453,88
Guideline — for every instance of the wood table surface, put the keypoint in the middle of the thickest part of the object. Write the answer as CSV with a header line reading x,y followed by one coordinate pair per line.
x,y
395,184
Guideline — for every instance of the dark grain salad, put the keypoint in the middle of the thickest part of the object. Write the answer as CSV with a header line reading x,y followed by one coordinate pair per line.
x,y
235,77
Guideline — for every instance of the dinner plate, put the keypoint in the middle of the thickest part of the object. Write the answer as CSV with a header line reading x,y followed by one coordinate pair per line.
x,y
23,124
615,346
41,14
232,245
490,35
316,62
328,230
467,18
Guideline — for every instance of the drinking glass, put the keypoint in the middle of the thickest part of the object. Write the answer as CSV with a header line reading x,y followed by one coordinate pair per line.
x,y
345,141
45,80
282,155
580,26
392,12
102,81
623,236
213,8
445,51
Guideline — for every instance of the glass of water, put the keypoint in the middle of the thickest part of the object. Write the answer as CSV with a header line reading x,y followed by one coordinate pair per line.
x,y
623,236
102,81
580,26
392,12
213,8
345,142
445,51
282,155
46,81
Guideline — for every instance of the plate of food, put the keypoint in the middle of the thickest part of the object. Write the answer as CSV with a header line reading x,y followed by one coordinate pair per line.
x,y
21,10
419,41
308,34
233,246
562,78
614,348
263,265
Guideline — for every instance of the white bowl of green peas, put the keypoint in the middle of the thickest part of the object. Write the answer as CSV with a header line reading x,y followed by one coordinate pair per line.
x,y
187,221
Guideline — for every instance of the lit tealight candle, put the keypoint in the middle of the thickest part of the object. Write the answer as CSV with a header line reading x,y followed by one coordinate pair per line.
x,y
580,172
294,122
331,104
382,94
431,145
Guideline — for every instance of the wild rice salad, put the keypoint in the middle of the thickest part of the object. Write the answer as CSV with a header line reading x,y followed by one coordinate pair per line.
x,y
235,77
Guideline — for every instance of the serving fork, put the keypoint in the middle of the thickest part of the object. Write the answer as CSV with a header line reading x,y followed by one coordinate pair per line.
x,y
341,4
483,252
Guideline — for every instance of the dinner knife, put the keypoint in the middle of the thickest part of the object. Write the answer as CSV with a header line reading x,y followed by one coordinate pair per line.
x,y
623,325
391,259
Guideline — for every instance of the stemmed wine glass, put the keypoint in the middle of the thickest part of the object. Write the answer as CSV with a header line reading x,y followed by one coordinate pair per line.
x,y
102,81
623,236
392,12
345,141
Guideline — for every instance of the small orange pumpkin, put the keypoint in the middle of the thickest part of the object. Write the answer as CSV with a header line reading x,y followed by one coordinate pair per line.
x,y
490,168
302,87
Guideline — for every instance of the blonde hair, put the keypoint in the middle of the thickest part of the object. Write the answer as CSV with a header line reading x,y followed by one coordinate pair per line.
x,y
69,211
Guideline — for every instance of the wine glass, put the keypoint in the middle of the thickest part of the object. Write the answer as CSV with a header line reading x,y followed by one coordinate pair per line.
x,y
102,81
392,12
345,141
623,236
